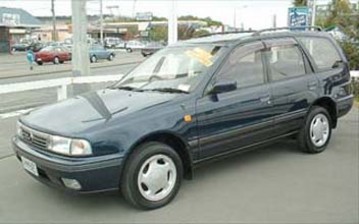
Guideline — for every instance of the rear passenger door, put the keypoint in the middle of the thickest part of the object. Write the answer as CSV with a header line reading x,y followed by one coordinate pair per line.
x,y
230,120
293,85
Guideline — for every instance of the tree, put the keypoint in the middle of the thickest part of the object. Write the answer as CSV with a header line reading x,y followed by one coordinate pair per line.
x,y
200,33
159,33
300,3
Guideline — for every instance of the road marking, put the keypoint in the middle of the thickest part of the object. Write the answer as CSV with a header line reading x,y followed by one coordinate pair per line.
x,y
15,113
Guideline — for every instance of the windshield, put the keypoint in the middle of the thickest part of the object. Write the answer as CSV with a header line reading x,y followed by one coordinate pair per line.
x,y
49,48
173,68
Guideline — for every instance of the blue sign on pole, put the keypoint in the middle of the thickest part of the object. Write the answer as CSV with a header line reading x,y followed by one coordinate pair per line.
x,y
298,17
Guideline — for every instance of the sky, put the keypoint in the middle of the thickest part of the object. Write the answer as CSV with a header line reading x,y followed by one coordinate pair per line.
x,y
252,13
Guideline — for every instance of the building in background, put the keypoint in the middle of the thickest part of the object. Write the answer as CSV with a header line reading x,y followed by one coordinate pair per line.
x,y
15,24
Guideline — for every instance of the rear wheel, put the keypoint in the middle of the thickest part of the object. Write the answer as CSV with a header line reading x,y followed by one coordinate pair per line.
x,y
56,60
316,132
129,50
152,176
39,62
110,58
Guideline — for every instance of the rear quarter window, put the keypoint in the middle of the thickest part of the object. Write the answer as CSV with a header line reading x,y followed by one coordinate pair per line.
x,y
322,50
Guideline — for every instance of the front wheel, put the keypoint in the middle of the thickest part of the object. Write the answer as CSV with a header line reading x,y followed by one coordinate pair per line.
x,y
152,176
93,59
315,134
110,58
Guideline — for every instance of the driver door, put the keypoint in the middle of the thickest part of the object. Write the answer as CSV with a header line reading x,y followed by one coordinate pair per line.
x,y
230,120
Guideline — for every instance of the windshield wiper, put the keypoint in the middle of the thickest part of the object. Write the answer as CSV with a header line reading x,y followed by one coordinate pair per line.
x,y
168,90
128,88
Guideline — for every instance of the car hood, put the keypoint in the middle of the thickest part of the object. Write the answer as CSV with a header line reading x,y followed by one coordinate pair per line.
x,y
75,115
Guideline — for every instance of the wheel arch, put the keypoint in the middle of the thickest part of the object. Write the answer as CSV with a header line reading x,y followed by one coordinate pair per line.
x,y
174,141
330,105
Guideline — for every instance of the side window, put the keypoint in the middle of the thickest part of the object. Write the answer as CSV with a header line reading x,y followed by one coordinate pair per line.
x,y
285,62
322,51
244,65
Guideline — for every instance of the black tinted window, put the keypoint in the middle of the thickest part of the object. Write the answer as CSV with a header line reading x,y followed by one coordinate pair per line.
x,y
244,66
322,51
285,62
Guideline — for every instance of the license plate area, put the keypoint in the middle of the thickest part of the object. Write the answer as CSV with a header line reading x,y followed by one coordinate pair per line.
x,y
30,166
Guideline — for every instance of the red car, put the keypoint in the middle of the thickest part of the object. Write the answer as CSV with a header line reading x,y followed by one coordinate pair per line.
x,y
53,54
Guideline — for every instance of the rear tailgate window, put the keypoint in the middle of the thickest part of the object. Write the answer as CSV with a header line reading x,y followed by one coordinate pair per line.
x,y
323,52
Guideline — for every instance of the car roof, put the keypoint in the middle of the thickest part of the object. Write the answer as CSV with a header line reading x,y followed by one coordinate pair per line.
x,y
229,38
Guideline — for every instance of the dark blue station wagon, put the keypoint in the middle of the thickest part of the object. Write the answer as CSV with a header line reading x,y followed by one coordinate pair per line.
x,y
189,103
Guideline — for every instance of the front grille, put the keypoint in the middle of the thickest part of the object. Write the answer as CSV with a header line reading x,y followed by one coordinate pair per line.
x,y
34,138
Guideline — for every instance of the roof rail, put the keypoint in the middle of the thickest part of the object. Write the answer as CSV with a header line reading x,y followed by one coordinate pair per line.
x,y
228,32
317,28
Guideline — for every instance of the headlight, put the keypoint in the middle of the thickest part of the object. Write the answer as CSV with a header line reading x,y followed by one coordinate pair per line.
x,y
60,145
80,147
67,146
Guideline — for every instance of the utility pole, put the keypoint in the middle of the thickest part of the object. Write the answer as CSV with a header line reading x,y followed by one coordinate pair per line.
x,y
80,55
134,9
172,24
54,33
235,18
101,23
274,25
314,11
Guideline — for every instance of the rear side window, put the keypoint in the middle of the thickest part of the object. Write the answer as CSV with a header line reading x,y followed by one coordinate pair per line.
x,y
244,65
285,62
323,51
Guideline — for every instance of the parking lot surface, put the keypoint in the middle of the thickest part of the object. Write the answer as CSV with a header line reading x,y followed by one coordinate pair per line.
x,y
273,184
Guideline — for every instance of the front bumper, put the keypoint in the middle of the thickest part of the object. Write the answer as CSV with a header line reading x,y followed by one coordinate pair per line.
x,y
95,174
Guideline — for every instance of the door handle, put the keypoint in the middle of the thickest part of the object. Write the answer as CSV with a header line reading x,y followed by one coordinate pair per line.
x,y
265,99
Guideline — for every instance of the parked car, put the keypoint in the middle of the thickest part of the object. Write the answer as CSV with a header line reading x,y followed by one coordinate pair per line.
x,y
68,43
97,52
20,47
114,42
25,45
57,55
134,45
36,46
151,48
189,103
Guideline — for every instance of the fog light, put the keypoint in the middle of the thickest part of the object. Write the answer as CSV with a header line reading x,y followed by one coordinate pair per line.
x,y
71,183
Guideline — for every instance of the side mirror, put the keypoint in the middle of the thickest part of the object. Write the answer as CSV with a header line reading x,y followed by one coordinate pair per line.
x,y
222,87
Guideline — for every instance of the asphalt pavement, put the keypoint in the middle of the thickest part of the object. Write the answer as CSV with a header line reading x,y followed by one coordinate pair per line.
x,y
273,184
12,66
34,98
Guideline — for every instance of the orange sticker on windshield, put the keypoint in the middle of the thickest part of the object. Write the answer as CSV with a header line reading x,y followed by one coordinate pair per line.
x,y
201,55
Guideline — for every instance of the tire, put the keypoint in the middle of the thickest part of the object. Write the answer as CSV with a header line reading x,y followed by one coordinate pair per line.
x,y
134,185
317,123
56,60
13,49
110,58
93,59
129,50
39,62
